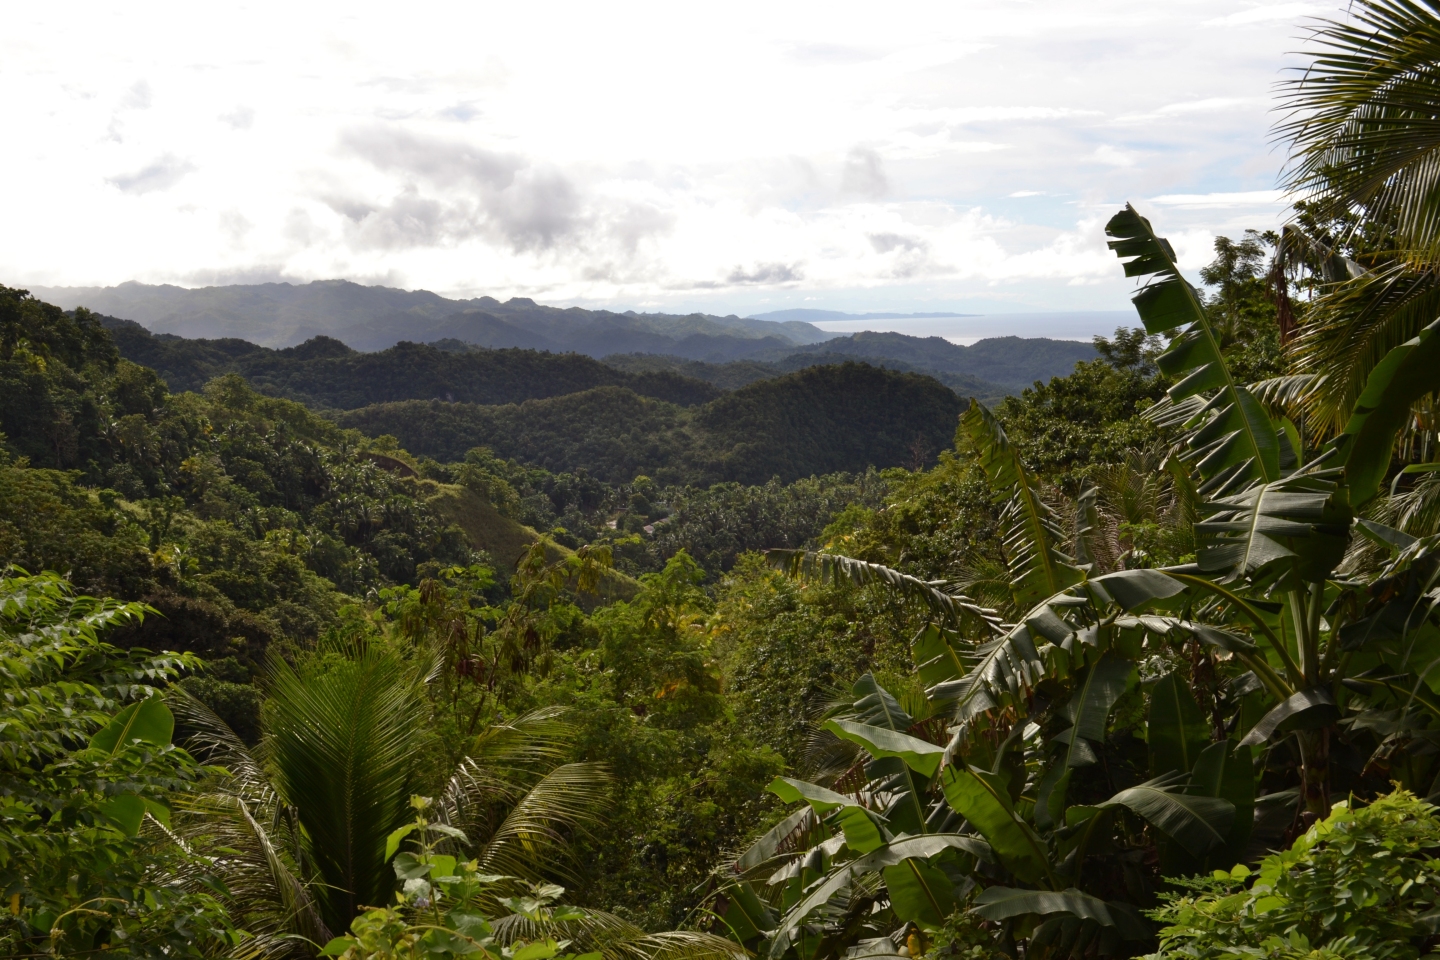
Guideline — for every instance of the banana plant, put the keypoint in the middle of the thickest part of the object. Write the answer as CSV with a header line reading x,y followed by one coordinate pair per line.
x,y
997,796
1032,805
1275,533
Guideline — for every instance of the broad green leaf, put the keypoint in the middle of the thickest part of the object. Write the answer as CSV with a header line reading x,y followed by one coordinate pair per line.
x,y
920,893
1050,792
1002,903
917,754
1136,588
1227,770
442,865
745,913
1002,671
127,810
1407,373
469,923
1388,537
392,842
840,878
338,946
1233,442
935,656
159,811
1176,728
1302,520
769,843
1094,697
862,834
877,706
981,799
1038,569
540,950
821,799
410,867
149,721
1306,709
1198,824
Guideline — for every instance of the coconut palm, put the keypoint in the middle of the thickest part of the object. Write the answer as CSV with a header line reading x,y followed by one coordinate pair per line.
x,y
1365,153
300,822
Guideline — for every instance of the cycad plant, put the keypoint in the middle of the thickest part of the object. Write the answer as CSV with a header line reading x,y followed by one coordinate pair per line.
x,y
302,820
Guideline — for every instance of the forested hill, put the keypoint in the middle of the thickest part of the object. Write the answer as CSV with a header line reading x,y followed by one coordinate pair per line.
x,y
817,420
326,374
739,373
1012,362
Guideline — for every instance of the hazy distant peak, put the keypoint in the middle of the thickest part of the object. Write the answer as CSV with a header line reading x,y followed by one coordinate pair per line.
x,y
280,315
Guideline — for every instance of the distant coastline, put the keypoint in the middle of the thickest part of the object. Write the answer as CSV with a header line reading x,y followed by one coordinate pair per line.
x,y
807,315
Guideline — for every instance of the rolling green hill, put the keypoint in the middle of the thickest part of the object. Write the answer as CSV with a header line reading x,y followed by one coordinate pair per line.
x,y
739,373
814,421
326,374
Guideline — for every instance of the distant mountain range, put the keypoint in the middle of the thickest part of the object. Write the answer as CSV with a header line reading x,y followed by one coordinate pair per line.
x,y
226,326
372,318
806,315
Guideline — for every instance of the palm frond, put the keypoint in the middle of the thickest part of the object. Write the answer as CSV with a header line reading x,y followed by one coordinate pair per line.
x,y
615,938
344,746
1038,568
1350,328
531,840
1362,120
212,740
826,567
265,890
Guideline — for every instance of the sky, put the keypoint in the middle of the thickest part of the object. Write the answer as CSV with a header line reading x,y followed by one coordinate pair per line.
x,y
724,157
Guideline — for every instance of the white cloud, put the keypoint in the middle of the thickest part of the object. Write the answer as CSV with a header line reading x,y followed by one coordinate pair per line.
x,y
636,154
1269,13
1114,157
1250,198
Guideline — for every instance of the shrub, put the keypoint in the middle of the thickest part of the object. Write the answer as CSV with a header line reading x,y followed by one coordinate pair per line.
x,y
1361,884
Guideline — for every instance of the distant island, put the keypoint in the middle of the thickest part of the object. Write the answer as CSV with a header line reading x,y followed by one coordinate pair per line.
x,y
805,315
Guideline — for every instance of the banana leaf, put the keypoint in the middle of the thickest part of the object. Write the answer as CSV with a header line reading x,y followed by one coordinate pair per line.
x,y
983,801
1199,824
918,755
920,892
1407,373
862,832
1176,727
1232,441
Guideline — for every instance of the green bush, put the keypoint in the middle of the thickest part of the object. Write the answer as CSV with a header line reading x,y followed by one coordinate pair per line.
x,y
87,776
1361,884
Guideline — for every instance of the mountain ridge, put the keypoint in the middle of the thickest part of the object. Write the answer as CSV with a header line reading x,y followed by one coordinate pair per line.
x,y
281,315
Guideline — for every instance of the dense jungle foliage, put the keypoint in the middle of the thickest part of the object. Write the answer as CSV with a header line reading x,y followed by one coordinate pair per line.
x,y
1143,664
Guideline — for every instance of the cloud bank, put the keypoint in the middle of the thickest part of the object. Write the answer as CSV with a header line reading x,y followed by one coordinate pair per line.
x,y
940,156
